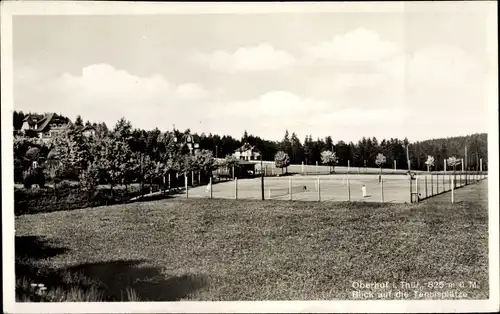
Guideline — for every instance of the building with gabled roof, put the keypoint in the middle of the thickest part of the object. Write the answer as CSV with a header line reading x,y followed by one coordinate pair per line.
x,y
45,126
247,152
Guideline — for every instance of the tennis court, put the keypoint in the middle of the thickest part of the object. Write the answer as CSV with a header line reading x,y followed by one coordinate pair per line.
x,y
336,187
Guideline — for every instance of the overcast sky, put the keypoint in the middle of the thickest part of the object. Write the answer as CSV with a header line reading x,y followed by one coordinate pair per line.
x,y
419,74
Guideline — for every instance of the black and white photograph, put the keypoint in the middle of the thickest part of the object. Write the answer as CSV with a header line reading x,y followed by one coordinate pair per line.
x,y
286,157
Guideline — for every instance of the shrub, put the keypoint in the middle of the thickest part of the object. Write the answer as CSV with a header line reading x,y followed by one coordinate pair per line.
x,y
27,179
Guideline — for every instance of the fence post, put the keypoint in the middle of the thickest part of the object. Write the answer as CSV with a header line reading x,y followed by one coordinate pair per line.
x,y
317,169
348,166
236,188
210,185
432,185
169,183
382,189
411,191
233,172
444,188
290,188
319,190
348,189
199,177
452,191
426,194
416,188
437,183
192,178
186,185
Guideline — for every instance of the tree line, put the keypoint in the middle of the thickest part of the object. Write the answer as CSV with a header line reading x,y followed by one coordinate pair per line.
x,y
124,154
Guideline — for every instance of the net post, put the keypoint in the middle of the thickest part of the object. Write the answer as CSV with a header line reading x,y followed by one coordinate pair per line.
x,y
290,188
192,178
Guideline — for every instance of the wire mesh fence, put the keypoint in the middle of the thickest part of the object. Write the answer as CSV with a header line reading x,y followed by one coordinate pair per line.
x,y
337,187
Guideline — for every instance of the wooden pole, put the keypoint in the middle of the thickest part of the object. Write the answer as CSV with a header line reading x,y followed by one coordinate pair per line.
x,y
445,165
186,185
411,191
199,177
317,169
426,194
236,188
382,189
192,178
432,185
348,166
437,183
319,190
210,185
348,189
416,187
290,188
169,182
452,191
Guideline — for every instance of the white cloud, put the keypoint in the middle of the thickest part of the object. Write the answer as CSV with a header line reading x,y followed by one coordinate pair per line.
x,y
191,91
104,93
360,45
274,104
262,57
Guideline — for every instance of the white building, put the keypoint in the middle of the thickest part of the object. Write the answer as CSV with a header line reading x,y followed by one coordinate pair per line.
x,y
247,152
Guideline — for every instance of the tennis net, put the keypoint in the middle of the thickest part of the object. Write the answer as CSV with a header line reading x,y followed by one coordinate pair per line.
x,y
277,192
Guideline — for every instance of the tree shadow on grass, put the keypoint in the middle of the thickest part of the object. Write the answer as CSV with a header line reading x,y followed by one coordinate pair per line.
x,y
36,248
111,279
148,283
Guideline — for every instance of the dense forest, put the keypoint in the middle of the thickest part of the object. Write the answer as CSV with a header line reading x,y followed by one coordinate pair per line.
x,y
360,154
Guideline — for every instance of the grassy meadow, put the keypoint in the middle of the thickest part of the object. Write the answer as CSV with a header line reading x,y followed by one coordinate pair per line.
x,y
204,250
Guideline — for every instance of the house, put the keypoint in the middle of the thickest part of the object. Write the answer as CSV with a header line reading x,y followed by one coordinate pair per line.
x,y
45,126
247,152
87,130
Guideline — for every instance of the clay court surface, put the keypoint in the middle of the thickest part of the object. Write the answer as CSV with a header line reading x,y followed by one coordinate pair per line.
x,y
396,188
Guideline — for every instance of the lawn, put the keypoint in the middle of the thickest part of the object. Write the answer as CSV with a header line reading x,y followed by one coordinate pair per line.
x,y
199,249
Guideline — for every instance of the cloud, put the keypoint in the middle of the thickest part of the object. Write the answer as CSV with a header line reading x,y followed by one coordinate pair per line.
x,y
260,58
360,45
274,104
104,93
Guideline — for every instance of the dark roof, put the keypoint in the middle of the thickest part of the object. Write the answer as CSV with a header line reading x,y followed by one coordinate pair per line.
x,y
83,128
245,147
31,117
45,122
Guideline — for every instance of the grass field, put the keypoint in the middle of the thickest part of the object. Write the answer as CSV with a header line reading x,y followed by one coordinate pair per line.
x,y
218,249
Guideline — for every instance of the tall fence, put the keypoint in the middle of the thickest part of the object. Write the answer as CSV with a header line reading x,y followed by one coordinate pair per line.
x,y
340,187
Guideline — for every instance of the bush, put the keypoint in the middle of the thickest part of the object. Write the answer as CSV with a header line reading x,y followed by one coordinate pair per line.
x,y
69,196
28,179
